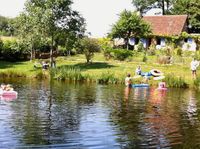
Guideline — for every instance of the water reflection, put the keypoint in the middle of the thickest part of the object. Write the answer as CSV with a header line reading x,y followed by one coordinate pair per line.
x,y
52,114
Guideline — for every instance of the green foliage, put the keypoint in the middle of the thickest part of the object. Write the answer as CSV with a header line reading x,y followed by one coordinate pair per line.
x,y
106,46
175,81
13,50
66,73
6,26
52,20
121,54
196,83
140,47
151,50
129,24
144,59
88,47
145,5
107,77
178,51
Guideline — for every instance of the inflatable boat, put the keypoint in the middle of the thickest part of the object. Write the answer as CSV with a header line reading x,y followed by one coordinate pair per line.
x,y
140,85
156,73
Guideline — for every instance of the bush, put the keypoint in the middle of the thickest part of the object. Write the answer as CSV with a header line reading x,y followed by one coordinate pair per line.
x,y
89,46
121,54
151,50
13,50
164,59
178,51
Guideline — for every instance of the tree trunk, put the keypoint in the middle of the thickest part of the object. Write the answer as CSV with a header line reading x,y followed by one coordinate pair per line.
x,y
163,7
51,52
31,58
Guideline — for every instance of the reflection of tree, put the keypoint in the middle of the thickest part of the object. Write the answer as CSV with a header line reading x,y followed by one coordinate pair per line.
x,y
127,115
159,122
54,109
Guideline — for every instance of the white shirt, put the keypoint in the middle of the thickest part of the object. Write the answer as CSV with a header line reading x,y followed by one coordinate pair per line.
x,y
138,71
128,81
194,64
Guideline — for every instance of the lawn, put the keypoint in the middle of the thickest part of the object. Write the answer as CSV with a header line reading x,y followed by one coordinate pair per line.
x,y
99,65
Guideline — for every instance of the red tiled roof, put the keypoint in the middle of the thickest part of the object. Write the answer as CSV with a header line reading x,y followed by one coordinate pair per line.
x,y
167,24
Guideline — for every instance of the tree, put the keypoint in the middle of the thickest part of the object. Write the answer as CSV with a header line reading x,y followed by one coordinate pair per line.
x,y
129,25
6,26
144,5
88,47
54,17
191,8
28,33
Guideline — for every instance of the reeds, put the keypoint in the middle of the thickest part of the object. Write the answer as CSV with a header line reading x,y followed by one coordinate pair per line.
x,y
12,74
107,77
196,83
175,81
67,73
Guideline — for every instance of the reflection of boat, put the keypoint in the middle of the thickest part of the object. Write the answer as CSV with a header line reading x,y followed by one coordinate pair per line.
x,y
140,85
156,72
8,98
8,93
164,88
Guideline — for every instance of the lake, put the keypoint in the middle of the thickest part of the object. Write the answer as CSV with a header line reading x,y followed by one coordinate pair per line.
x,y
53,114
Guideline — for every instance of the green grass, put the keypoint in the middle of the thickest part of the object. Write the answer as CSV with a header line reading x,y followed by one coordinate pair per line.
x,y
100,69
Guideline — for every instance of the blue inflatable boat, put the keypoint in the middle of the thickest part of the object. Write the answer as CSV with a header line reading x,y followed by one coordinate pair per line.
x,y
140,85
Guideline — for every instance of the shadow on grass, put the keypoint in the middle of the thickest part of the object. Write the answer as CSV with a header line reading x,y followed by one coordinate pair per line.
x,y
94,65
5,64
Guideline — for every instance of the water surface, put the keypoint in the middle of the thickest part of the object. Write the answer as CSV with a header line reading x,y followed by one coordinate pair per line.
x,y
51,114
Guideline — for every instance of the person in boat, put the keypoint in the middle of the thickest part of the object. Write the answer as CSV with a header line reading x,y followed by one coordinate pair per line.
x,y
2,87
193,65
128,80
138,70
162,85
7,87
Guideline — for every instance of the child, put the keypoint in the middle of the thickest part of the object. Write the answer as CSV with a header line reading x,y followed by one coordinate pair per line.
x,y
161,85
128,81
138,70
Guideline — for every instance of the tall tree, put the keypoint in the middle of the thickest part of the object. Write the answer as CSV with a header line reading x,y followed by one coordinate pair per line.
x,y
54,16
144,5
6,26
129,25
191,8
28,33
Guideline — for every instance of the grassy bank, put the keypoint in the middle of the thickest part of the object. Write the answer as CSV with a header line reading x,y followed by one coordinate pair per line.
x,y
100,70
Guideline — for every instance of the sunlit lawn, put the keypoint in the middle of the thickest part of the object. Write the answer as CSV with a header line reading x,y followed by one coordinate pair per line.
x,y
99,65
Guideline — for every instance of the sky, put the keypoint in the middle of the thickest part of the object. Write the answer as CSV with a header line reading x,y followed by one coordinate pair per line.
x,y
99,14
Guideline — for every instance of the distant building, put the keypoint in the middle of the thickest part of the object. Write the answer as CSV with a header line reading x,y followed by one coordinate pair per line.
x,y
163,26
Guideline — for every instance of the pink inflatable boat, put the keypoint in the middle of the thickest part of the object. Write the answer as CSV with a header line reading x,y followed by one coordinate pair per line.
x,y
8,93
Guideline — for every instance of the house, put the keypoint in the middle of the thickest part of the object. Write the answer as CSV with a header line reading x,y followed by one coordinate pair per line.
x,y
166,26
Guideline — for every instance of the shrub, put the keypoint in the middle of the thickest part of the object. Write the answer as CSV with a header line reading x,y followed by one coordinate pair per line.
x,y
88,47
151,50
121,54
164,59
